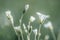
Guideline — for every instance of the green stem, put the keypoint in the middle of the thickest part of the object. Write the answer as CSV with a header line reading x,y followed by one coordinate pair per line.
x,y
20,27
16,32
39,32
53,34
21,20
18,37
22,36
28,37
35,37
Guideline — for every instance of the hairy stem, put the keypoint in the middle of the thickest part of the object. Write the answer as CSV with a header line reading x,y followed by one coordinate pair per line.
x,y
28,37
39,32
54,37
20,27
35,37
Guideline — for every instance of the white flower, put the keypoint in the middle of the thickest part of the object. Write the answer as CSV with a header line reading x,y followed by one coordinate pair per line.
x,y
25,28
42,17
46,37
48,25
9,16
32,19
17,28
26,7
8,13
35,31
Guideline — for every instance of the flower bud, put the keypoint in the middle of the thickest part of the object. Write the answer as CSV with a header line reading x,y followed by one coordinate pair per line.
x,y
32,19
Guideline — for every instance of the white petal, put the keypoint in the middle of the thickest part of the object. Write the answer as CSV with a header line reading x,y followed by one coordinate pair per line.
x,y
42,17
8,13
26,7
17,28
35,31
32,19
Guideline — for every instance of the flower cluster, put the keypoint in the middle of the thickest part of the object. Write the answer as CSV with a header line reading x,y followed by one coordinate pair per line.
x,y
29,28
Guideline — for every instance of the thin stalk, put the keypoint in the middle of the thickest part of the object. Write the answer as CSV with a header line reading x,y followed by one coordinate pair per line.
x,y
16,32
22,36
54,37
28,37
39,32
20,27
21,24
35,37
18,37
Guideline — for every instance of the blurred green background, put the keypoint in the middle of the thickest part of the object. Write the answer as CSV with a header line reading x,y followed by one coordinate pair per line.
x,y
50,7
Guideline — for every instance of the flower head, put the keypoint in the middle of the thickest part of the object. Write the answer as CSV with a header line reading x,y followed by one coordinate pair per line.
x,y
9,16
8,13
48,25
42,17
26,7
32,19
35,31
17,28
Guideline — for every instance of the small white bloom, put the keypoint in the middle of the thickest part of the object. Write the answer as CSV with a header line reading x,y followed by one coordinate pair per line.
x,y
25,28
42,17
9,16
8,13
32,19
26,7
17,28
48,25
35,31
46,37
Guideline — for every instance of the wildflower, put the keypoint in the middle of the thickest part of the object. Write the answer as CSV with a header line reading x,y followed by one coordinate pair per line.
x,y
46,37
8,13
48,25
25,28
32,19
17,30
26,7
9,16
35,31
42,17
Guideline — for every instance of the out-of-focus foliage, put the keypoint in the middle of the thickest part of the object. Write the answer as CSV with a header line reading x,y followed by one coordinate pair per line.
x,y
51,7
